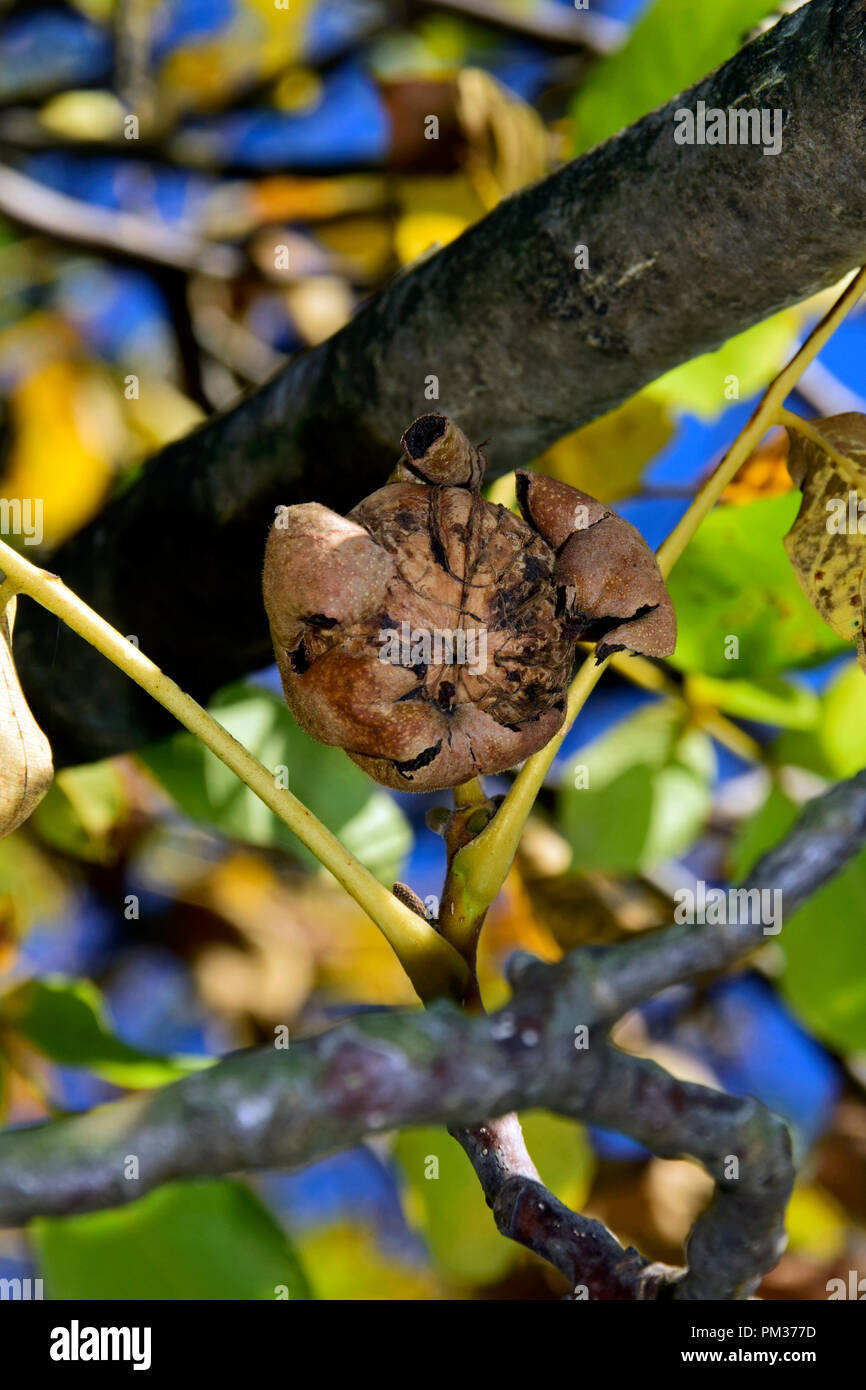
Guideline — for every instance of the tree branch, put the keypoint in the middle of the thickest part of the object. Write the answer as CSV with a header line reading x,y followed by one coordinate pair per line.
x,y
38,207
264,1109
687,246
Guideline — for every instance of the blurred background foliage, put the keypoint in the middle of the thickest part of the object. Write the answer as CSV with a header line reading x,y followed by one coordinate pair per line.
x,y
153,914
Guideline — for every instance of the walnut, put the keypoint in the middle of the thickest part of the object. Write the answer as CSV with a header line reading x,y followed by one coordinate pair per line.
x,y
431,633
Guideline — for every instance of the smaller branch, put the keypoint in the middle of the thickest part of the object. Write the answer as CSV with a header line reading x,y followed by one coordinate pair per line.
x,y
645,674
133,79
548,22
584,1250
431,964
764,416
792,421
42,209
481,868
830,830
743,1146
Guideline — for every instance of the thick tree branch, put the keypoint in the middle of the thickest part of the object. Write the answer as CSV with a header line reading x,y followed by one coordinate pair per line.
x,y
266,1108
687,246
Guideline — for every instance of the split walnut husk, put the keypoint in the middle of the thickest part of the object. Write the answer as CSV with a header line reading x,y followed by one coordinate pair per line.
x,y
431,633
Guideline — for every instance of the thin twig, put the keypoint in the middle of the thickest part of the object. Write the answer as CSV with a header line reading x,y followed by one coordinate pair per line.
x,y
43,209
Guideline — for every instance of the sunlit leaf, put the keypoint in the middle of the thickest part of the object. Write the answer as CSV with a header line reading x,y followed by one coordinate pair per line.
x,y
208,53
836,745
87,115
66,1021
195,1240
738,369
672,46
827,543
764,474
734,582
446,1200
637,795
761,832
824,942
815,1223
323,778
824,945
607,457
434,212
67,437
346,1263
81,809
768,700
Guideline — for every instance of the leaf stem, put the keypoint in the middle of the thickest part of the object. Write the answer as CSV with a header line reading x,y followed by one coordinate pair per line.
x,y
432,965
844,465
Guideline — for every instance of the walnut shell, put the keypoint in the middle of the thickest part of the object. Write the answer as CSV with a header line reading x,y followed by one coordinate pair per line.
x,y
430,633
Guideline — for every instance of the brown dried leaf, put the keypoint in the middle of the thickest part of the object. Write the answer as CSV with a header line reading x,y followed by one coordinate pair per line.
x,y
26,768
827,543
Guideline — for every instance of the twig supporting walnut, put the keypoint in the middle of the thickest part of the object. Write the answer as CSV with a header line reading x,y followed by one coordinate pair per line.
x,y
376,1072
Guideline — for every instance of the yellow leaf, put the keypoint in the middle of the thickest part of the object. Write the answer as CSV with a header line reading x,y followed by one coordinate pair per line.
x,y
827,543
508,141
816,1224
161,413
67,433
261,40
607,457
26,767
436,211
349,1265
84,116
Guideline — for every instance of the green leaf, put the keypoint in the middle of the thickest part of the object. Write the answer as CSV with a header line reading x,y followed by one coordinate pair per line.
x,y
607,457
753,358
761,832
348,1264
562,1154
66,1021
445,1197
768,700
639,794
673,45
836,745
336,791
196,1240
734,580
379,835
80,809
824,945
